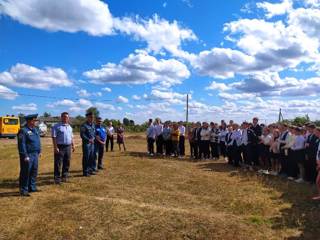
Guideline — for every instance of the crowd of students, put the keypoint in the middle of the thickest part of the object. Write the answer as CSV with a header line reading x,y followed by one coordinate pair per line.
x,y
291,152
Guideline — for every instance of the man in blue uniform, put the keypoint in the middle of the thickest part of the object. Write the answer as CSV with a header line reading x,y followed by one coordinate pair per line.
x,y
87,134
62,138
29,150
101,135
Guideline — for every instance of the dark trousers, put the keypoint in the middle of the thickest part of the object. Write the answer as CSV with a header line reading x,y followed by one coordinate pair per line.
x,y
87,158
311,166
247,153
204,149
283,162
295,157
223,149
181,146
196,149
214,149
255,154
168,147
62,158
229,154
150,145
192,147
159,144
28,173
109,140
236,155
98,155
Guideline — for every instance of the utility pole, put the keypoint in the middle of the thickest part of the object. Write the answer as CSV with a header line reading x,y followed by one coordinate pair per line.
x,y
187,111
280,118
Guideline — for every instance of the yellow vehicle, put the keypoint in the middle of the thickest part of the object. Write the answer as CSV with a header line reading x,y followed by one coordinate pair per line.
x,y
9,126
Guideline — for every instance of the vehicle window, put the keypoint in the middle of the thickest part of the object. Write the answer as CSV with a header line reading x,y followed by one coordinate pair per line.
x,y
10,121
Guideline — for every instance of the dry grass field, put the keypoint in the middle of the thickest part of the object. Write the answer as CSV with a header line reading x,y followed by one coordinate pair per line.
x,y
138,197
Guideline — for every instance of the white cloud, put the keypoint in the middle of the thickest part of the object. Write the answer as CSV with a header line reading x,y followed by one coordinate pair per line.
x,y
26,76
236,96
275,9
140,68
136,97
91,16
158,33
121,99
73,106
106,89
30,107
83,93
168,96
218,86
7,93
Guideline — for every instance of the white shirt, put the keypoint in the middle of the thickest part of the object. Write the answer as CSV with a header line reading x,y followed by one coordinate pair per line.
x,y
222,135
151,132
158,129
236,137
298,143
182,130
110,130
205,134
244,138
266,139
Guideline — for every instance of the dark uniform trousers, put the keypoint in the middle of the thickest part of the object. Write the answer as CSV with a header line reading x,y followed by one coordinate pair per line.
x,y
150,145
88,158
109,140
181,145
159,144
168,147
28,172
99,151
223,149
62,158
214,149
295,157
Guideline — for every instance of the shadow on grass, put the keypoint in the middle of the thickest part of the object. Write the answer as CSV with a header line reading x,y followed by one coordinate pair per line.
x,y
43,179
303,214
156,157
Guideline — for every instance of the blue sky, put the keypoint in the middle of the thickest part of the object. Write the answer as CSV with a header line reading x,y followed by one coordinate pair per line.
x,y
139,59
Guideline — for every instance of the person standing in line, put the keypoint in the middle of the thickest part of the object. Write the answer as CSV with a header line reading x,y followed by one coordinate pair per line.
x,y
197,140
264,151
100,141
166,134
257,129
175,136
311,153
191,139
317,133
283,140
229,144
110,133
87,134
205,141
214,141
275,153
236,145
182,133
158,127
298,156
62,138
29,148
120,137
222,140
150,138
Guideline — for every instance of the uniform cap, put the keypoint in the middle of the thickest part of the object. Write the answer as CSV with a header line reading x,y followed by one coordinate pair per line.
x,y
31,116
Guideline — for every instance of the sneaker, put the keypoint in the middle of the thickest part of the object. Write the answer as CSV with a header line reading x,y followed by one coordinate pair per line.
x,y
300,180
172,155
151,154
290,178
